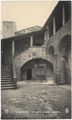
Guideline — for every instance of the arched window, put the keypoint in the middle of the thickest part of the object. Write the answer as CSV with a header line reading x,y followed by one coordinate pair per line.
x,y
51,50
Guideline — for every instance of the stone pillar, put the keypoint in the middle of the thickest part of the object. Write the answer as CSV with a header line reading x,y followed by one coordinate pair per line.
x,y
63,71
13,65
46,37
47,32
31,41
63,15
54,26
55,69
35,71
13,48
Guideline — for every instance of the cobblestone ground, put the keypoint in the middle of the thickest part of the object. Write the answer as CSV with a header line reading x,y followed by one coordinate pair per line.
x,y
36,101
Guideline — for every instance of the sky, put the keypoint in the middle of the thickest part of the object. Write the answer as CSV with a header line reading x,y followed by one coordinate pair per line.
x,y
27,13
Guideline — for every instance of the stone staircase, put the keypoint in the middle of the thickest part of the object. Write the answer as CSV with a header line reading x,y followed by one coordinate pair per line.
x,y
6,77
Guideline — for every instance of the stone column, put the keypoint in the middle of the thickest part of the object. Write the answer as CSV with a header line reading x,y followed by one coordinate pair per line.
x,y
55,69
35,71
63,15
13,64
63,71
46,37
13,48
47,32
54,26
31,41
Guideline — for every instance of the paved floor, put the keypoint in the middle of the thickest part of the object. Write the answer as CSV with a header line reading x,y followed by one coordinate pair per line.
x,y
37,101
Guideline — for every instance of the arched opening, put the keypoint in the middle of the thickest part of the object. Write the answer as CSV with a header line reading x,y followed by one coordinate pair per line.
x,y
37,69
51,50
65,59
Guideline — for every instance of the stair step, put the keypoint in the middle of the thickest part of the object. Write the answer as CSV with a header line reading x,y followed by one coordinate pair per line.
x,y
6,88
6,72
2,73
7,85
6,68
2,79
9,77
6,82
3,82
9,73
6,77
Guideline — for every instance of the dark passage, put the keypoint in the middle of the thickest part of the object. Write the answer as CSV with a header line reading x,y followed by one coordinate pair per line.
x,y
29,74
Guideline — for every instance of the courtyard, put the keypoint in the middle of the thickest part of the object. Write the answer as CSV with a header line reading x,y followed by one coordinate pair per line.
x,y
36,101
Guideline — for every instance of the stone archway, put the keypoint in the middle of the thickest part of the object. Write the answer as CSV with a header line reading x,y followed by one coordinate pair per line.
x,y
38,68
64,49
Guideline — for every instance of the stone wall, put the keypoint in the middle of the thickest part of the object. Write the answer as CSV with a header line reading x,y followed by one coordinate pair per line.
x,y
32,53
21,46
24,55
54,41
8,29
6,52
29,54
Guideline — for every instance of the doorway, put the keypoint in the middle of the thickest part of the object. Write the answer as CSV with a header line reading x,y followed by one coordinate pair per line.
x,y
29,74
